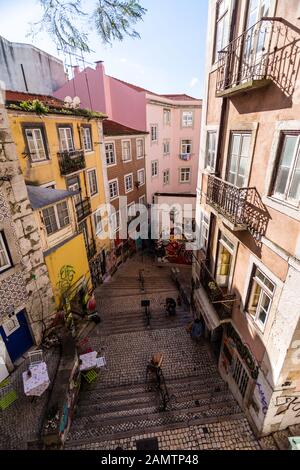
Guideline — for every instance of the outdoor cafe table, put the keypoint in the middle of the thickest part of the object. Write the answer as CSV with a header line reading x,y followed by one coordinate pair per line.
x,y
88,361
37,382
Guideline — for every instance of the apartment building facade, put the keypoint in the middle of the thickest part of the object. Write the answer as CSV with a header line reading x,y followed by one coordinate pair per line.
x,y
247,272
172,121
59,149
125,173
26,296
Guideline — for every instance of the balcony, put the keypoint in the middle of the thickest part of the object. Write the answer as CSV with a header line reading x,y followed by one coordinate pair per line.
x,y
185,156
210,291
71,161
267,52
83,209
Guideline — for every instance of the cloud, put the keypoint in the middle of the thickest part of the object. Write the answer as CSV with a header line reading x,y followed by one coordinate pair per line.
x,y
194,82
123,60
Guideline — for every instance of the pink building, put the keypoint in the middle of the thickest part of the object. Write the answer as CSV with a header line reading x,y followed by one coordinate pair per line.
x,y
173,123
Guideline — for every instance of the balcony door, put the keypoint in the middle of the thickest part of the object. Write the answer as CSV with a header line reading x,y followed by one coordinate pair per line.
x,y
74,185
224,261
66,139
255,41
238,159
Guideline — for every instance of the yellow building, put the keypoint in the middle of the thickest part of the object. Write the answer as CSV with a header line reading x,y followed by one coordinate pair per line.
x,y
60,148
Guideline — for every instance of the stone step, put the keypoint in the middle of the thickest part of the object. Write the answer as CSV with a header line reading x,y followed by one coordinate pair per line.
x,y
92,426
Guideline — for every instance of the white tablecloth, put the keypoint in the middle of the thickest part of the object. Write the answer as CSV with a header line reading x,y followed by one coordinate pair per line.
x,y
38,382
88,361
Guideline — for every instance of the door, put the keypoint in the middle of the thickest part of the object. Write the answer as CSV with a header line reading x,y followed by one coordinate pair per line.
x,y
74,185
16,335
224,261
238,159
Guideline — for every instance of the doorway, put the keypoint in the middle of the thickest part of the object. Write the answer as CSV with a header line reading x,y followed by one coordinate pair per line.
x,y
16,335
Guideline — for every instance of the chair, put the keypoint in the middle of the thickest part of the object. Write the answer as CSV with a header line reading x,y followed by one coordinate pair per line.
x,y
35,357
90,376
7,395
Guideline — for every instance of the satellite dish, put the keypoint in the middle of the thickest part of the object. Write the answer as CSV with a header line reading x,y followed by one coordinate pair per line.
x,y
68,101
76,102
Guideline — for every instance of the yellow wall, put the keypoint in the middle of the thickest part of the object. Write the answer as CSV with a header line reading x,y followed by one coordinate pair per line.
x,y
48,171
66,265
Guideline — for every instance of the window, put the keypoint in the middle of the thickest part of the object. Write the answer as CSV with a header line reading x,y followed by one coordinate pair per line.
x,y
98,222
56,217
93,186
5,262
126,150
167,117
36,144
66,139
185,175
287,182
115,221
187,119
224,261
131,211
238,159
74,185
140,148
87,139
240,377
186,147
154,133
222,27
110,154
141,177
260,298
154,168
113,189
166,177
211,143
128,181
204,230
166,147
50,185
142,199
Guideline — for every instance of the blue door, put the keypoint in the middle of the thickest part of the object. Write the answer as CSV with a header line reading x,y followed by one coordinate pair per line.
x,y
20,340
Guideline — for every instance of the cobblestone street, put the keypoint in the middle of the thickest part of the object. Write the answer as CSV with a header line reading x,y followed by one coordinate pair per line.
x,y
119,409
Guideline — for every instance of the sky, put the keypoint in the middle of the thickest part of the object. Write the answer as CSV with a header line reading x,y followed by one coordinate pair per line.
x,y
169,57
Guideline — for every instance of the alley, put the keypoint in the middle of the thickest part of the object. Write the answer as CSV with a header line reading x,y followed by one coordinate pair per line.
x,y
119,409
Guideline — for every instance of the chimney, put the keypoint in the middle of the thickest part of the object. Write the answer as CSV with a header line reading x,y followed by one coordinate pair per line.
x,y
99,64
76,70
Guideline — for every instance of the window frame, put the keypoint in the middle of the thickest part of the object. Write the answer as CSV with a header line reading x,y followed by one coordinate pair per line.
x,y
205,230
139,157
56,215
65,127
144,199
207,150
114,153
141,170
180,175
89,172
264,291
279,154
124,141
125,185
89,128
156,164
217,21
190,144
42,129
241,134
166,172
115,180
167,142
94,222
167,111
115,215
187,125
154,126
4,248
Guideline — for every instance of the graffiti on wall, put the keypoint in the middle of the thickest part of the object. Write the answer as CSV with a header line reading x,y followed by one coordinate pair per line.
x,y
243,351
65,278
288,403
263,401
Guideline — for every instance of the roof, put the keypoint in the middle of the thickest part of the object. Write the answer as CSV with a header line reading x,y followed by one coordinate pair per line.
x,y
17,96
111,128
178,97
41,197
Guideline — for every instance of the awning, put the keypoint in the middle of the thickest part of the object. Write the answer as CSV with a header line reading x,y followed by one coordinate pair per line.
x,y
206,309
41,197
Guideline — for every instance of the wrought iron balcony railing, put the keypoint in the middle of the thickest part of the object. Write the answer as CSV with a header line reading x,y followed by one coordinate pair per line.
x,y
222,302
185,156
268,51
83,209
71,161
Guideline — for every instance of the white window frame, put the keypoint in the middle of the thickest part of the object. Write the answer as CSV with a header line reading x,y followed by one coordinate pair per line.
x,y
92,170
4,250
87,140
47,185
126,141
141,172
97,231
204,229
167,142
167,112
129,175
59,227
154,162
186,145
264,291
139,157
35,151
154,126
166,177
185,121
142,199
115,221
130,217
218,19
180,174
115,180
210,151
109,151
69,148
